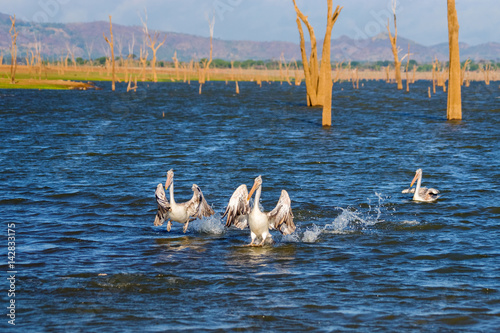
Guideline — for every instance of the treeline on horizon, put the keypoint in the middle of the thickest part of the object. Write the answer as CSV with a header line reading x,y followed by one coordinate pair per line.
x,y
276,64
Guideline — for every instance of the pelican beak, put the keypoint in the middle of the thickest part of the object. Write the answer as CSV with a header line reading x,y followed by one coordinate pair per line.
x,y
414,178
169,181
254,187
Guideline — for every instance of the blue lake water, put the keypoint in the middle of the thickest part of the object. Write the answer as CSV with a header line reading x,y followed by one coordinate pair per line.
x,y
79,171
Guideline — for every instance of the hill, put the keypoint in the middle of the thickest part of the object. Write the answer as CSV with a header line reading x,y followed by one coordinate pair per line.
x,y
57,38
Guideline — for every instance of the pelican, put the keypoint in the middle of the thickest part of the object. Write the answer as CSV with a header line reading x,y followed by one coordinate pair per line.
x,y
184,212
240,214
422,193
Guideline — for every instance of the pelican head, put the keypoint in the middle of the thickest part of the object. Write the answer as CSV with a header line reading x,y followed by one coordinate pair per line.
x,y
418,174
256,184
170,178
196,188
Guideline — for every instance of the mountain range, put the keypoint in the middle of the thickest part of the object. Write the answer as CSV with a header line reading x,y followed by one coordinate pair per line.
x,y
57,38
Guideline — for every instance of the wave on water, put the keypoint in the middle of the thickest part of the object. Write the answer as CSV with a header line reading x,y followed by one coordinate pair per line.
x,y
211,225
349,220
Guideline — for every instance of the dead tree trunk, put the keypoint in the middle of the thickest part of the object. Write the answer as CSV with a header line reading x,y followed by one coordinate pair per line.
x,y
38,56
143,58
395,51
203,72
110,42
130,57
407,70
89,48
486,73
325,76
71,51
463,76
454,109
154,48
318,80
176,64
211,27
152,44
13,50
434,76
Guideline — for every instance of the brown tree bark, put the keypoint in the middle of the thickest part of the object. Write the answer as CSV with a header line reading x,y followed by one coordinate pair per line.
x,y
89,48
407,70
153,40
152,44
318,79
325,76
13,50
143,58
463,76
310,66
176,64
203,73
110,42
395,51
454,109
71,51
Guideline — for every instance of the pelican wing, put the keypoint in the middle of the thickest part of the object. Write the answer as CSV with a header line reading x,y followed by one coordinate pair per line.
x,y
238,208
425,191
200,206
163,206
433,191
429,194
281,217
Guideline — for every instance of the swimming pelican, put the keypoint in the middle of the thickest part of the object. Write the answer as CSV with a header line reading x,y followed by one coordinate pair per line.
x,y
184,212
240,214
422,193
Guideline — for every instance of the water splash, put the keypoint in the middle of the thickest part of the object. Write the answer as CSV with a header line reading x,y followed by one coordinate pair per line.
x,y
349,220
311,235
209,225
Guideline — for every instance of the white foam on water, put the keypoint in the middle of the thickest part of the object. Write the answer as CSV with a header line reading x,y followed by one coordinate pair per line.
x,y
311,235
349,220
412,222
209,225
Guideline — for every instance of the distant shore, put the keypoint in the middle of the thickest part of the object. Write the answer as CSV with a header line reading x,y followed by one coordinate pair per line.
x,y
81,77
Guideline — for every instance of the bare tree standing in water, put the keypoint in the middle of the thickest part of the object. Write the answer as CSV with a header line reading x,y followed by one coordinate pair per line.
x,y
13,50
454,108
110,42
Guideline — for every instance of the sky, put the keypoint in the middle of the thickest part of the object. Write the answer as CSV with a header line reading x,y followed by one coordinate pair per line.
x,y
423,21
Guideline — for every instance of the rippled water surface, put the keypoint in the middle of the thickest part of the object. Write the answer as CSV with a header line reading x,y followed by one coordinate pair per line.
x,y
79,170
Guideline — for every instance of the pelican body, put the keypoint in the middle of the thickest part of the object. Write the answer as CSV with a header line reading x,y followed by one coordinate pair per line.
x,y
183,213
240,214
422,193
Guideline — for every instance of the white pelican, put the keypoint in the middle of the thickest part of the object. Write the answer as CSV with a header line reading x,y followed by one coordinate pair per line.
x,y
422,193
184,212
239,213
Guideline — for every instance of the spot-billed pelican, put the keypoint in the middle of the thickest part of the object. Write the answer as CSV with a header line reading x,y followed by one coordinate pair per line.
x,y
240,214
185,212
422,193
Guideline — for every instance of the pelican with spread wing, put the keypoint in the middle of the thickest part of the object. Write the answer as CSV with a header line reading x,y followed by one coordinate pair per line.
x,y
240,214
421,193
184,212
